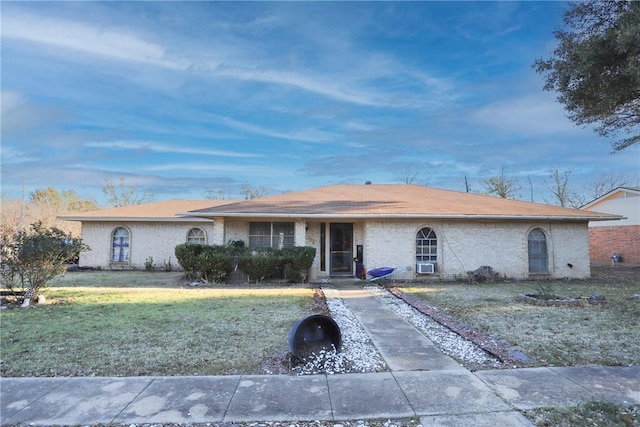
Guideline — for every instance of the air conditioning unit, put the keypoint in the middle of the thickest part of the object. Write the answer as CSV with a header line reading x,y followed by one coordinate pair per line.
x,y
425,268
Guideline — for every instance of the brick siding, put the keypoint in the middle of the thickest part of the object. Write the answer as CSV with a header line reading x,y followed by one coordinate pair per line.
x,y
605,241
462,245
156,240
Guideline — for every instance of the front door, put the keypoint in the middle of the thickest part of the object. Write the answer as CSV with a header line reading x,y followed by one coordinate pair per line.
x,y
341,249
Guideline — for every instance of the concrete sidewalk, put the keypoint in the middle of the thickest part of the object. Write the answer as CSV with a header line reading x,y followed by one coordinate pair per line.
x,y
423,382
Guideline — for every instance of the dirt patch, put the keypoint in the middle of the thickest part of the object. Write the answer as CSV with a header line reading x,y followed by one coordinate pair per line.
x,y
556,301
619,273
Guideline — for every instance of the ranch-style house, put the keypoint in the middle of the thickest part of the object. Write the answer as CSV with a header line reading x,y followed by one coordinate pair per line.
x,y
423,232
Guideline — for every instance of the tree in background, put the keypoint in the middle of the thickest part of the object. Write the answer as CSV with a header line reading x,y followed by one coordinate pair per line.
x,y
212,194
125,195
566,195
30,259
46,204
251,193
595,68
599,187
43,205
560,187
411,175
507,188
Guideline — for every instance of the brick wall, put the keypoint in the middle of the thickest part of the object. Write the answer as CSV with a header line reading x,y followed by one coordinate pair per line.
x,y
156,240
605,241
462,245
465,246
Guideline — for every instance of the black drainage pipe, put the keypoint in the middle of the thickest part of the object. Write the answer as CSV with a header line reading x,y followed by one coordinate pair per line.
x,y
313,334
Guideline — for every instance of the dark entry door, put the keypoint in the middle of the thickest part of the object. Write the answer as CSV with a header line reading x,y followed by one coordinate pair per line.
x,y
341,249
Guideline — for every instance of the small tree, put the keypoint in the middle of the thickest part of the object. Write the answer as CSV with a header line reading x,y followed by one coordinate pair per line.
x,y
32,258
251,193
502,186
560,187
125,195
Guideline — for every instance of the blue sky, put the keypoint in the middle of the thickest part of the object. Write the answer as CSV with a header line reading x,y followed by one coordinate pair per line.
x,y
178,98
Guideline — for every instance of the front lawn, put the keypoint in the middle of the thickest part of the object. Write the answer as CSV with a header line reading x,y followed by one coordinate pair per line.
x,y
93,324
600,334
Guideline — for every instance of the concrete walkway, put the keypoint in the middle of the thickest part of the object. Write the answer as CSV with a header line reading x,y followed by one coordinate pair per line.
x,y
423,382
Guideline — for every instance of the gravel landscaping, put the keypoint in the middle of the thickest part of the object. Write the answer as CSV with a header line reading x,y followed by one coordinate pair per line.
x,y
358,353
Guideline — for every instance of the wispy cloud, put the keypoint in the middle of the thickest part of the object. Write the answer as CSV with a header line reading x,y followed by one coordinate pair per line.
x,y
209,169
21,114
305,135
365,80
333,89
536,114
166,148
96,40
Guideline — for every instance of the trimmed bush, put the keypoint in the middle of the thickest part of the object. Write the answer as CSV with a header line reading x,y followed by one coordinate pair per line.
x,y
211,263
187,256
214,266
260,264
215,263
296,262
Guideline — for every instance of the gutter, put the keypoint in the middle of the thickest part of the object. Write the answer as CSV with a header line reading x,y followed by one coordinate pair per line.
x,y
134,219
409,216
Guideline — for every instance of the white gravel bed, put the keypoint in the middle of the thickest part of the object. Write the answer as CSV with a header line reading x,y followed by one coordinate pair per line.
x,y
446,340
358,354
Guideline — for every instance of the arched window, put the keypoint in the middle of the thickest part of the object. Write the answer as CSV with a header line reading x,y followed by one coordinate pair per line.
x,y
196,235
120,245
538,257
426,246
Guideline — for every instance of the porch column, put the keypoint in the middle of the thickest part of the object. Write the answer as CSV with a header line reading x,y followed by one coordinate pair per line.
x,y
217,237
300,233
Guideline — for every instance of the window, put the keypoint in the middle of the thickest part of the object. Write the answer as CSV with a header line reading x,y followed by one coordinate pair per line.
x,y
271,234
426,246
537,245
196,235
120,245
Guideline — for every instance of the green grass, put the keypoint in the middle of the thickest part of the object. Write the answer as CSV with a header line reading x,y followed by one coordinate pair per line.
x,y
553,336
586,415
145,330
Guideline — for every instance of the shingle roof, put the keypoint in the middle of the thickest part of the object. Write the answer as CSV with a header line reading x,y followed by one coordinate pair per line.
x,y
389,201
616,192
170,210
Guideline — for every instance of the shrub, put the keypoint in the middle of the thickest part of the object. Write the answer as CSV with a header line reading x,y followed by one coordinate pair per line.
x,y
297,261
214,265
211,263
259,264
187,256
31,259
149,265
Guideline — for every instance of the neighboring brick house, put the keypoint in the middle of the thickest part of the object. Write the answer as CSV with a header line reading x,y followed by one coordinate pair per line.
x,y
421,231
616,237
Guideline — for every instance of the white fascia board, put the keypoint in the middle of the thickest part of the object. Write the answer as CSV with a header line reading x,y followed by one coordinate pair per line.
x,y
412,216
134,219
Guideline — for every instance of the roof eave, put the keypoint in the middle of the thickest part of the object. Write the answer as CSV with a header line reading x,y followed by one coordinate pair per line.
x,y
408,216
134,219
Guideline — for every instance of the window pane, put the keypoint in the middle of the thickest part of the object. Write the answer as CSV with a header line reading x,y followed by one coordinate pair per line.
x,y
426,246
268,234
120,245
537,248
196,235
